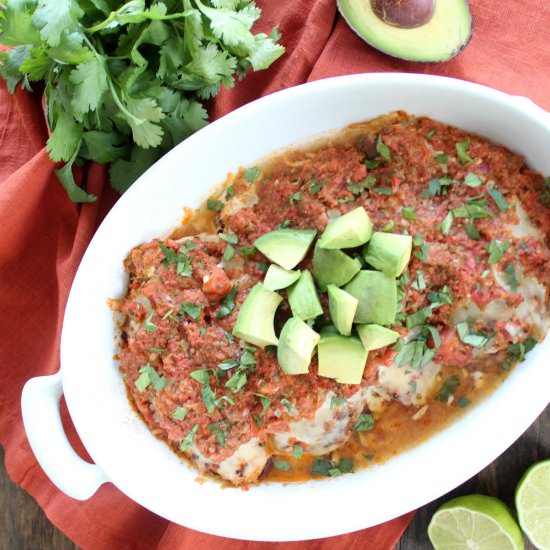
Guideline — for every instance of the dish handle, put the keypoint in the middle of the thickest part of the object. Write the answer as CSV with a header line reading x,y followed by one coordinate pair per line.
x,y
42,420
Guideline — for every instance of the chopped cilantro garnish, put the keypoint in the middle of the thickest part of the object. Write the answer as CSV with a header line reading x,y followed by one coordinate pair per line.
x,y
252,174
371,164
295,197
246,251
442,158
336,401
430,134
422,248
208,398
420,282
346,199
437,186
419,317
383,190
180,413
262,266
193,310
516,352
228,304
187,442
463,402
408,212
472,231
496,250
228,253
511,277
237,381
448,388
472,210
201,375
499,199
214,205
216,429
228,364
461,149
475,339
281,465
416,352
157,350
440,297
472,180
315,186
149,327
445,225
389,226
230,191
264,400
170,254
167,314
286,403
239,378
360,186
365,423
329,468
180,258
148,375
485,273
230,238
368,457
284,224
382,149
297,451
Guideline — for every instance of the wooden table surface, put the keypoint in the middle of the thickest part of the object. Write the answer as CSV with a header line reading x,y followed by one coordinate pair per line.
x,y
23,525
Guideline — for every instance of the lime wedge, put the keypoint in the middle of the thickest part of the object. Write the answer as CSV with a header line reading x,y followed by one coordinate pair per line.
x,y
533,504
474,522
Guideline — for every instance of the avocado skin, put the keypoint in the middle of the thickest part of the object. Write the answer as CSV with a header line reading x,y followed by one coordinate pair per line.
x,y
394,52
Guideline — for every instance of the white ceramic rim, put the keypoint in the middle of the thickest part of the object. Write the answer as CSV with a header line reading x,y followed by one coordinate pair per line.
x,y
314,509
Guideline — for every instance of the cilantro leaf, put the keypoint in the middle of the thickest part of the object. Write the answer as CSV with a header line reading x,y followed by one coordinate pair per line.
x,y
90,80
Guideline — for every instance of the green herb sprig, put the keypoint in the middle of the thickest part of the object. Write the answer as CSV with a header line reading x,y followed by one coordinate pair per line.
x,y
124,82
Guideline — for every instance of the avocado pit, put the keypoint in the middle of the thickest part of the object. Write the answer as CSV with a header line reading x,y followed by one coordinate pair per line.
x,y
406,14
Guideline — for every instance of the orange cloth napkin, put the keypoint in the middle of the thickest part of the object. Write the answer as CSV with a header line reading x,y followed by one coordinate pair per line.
x,y
44,236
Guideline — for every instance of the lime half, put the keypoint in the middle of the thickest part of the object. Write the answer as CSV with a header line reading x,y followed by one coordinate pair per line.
x,y
533,504
474,522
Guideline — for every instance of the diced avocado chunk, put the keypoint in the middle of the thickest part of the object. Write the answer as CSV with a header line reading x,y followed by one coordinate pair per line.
x,y
388,252
333,267
377,295
296,345
303,299
256,316
376,336
286,247
277,278
342,307
406,31
341,357
347,231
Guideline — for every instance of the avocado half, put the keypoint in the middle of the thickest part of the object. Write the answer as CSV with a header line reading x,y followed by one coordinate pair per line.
x,y
445,34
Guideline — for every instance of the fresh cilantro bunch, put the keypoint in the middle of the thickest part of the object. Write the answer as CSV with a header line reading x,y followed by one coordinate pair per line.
x,y
124,83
